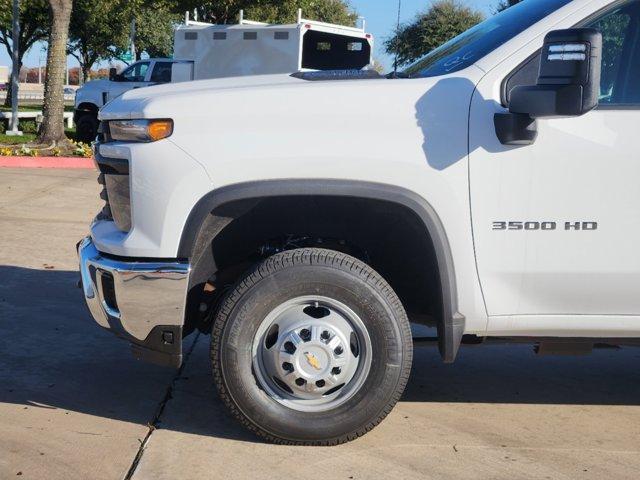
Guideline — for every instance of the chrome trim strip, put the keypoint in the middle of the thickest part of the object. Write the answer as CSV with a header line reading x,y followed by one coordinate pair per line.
x,y
147,293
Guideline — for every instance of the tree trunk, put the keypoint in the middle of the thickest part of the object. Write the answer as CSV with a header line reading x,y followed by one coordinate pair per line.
x,y
52,130
85,70
85,66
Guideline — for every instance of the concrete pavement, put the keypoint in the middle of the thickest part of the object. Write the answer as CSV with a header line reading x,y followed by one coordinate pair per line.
x,y
75,404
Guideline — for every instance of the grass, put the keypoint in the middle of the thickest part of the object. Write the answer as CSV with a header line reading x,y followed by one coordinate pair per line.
x,y
30,137
24,138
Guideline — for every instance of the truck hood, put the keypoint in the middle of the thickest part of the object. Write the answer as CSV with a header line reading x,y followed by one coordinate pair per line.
x,y
132,104
95,85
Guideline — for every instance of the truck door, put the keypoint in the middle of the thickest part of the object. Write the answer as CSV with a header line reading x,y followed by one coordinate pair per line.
x,y
556,224
134,76
161,72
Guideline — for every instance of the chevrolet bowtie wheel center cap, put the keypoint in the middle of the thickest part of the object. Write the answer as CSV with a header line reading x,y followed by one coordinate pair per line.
x,y
311,353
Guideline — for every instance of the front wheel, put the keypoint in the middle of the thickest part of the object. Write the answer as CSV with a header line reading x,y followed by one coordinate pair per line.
x,y
311,347
87,127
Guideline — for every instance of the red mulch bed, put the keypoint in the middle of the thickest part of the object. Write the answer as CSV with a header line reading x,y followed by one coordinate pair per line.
x,y
46,162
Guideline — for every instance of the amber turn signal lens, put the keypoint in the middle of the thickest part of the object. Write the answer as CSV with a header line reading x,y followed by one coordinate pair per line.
x,y
159,129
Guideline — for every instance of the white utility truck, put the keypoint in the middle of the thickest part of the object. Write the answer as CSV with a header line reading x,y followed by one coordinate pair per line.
x,y
203,50
489,191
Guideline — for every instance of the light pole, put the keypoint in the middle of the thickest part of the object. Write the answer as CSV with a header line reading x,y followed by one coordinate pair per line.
x,y
15,70
133,39
41,58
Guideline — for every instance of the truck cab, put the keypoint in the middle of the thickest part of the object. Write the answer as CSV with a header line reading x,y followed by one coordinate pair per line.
x,y
488,192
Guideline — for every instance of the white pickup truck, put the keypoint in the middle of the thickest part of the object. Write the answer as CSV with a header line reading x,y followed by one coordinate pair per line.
x,y
490,191
204,50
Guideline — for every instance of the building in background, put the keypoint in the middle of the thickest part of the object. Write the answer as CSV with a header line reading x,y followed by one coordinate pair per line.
x,y
4,74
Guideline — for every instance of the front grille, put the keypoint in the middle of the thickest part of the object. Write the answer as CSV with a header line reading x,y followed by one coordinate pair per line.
x,y
105,213
114,177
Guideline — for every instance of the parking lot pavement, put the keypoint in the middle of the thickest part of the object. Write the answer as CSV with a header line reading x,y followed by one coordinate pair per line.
x,y
74,404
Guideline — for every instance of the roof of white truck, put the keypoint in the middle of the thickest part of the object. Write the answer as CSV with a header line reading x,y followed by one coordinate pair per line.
x,y
244,24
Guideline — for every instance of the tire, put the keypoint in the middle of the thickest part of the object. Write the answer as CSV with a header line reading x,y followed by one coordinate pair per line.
x,y
87,127
247,348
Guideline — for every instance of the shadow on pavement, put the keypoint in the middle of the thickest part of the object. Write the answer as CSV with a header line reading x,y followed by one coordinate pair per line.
x,y
54,356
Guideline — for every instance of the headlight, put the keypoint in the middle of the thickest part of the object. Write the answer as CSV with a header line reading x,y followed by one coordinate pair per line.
x,y
140,130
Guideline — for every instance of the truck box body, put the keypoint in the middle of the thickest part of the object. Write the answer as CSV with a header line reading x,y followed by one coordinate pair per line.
x,y
252,48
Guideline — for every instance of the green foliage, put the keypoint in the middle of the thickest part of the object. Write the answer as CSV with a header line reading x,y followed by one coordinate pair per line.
x,y
97,30
442,21
29,126
34,27
613,28
34,23
504,4
273,11
154,29
155,24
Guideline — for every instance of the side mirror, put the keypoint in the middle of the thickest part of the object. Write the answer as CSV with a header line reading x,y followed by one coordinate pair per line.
x,y
113,74
568,85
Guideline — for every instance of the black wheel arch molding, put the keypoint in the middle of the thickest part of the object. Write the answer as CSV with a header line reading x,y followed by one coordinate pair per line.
x,y
201,228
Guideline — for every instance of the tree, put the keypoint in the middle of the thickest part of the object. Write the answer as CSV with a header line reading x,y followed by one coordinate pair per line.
x,y
52,130
443,20
34,23
273,11
155,25
98,28
504,4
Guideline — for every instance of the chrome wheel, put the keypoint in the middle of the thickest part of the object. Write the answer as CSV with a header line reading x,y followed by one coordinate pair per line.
x,y
311,353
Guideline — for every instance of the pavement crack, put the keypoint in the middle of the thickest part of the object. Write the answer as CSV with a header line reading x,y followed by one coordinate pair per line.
x,y
153,425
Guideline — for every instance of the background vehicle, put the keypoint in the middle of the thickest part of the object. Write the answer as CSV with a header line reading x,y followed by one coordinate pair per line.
x,y
486,195
253,48
213,51
93,95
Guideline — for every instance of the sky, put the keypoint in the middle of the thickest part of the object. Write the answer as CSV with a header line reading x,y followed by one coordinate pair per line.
x,y
380,17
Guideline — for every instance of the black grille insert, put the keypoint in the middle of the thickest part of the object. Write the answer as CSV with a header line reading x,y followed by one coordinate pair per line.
x,y
114,176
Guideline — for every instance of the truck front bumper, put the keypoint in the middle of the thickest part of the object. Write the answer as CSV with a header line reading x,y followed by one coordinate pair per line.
x,y
140,301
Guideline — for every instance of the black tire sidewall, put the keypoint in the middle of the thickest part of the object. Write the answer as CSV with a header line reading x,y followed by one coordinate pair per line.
x,y
388,356
86,125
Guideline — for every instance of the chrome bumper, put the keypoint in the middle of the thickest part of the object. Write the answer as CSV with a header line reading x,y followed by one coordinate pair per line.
x,y
143,302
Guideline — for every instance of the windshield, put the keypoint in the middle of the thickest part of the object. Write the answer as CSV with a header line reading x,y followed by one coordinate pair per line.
x,y
136,72
475,43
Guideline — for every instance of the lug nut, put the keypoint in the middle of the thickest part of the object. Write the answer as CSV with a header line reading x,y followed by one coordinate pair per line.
x,y
325,335
338,350
320,383
287,366
336,371
289,347
300,381
305,334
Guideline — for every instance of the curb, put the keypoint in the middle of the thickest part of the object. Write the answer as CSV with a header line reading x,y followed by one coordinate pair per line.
x,y
47,162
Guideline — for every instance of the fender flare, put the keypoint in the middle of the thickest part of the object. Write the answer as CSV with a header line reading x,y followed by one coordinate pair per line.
x,y
452,328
